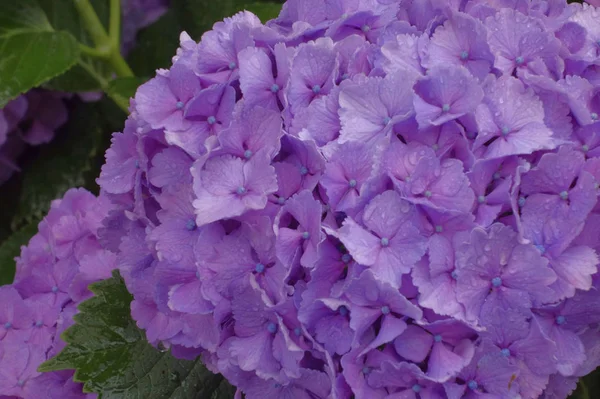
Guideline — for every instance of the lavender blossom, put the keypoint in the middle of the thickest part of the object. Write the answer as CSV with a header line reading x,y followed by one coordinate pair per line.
x,y
371,199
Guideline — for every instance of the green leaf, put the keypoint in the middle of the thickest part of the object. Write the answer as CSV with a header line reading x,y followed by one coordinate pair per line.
x,y
122,89
224,391
264,11
63,16
111,355
31,53
72,159
11,248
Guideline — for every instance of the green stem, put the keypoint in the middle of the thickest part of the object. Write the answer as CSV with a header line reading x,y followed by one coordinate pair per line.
x,y
107,47
584,390
119,65
114,29
91,51
121,102
92,23
100,79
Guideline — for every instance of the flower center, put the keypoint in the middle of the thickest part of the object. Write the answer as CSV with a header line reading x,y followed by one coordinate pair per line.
x,y
247,154
385,242
352,183
211,120
275,88
560,320
497,281
316,89
272,328
564,195
385,309
464,55
259,268
190,225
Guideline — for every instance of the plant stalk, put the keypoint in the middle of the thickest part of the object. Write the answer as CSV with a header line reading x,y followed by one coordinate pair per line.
x,y
107,47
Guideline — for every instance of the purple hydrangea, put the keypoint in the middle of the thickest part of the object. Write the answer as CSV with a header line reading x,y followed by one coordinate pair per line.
x,y
370,199
52,278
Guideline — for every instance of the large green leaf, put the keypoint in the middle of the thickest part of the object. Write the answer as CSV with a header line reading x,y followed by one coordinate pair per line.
x,y
111,355
72,159
11,248
31,53
63,16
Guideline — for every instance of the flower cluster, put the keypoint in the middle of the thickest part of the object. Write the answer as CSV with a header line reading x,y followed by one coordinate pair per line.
x,y
371,199
53,273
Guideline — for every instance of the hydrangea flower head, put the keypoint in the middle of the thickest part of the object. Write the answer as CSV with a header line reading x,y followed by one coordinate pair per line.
x,y
370,199
52,278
